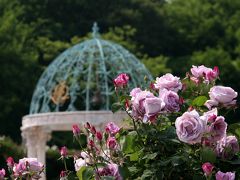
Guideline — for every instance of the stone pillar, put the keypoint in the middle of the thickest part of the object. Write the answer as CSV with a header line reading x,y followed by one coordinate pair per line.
x,y
36,139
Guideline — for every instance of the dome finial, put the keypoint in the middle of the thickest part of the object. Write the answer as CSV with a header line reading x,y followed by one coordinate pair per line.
x,y
95,30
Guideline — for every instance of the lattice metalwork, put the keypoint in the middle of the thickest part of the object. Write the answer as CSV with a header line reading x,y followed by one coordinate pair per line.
x,y
81,78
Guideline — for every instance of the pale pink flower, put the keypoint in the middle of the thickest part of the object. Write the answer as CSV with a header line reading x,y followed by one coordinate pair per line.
x,y
171,100
110,170
221,95
112,128
190,127
2,173
169,82
225,176
227,147
218,128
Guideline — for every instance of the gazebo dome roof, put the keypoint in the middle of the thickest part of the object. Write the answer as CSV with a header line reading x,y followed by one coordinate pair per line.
x,y
81,78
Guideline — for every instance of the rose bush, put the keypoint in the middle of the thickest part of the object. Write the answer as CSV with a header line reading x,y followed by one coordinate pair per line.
x,y
177,130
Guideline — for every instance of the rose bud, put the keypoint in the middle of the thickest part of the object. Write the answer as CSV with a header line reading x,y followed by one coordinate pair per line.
x,y
63,151
207,168
99,136
93,130
121,80
76,130
10,162
111,143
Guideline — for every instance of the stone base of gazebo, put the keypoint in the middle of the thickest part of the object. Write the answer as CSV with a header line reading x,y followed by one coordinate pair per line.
x,y
36,129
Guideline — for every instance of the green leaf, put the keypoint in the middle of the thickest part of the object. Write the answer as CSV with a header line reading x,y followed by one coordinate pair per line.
x,y
124,172
82,139
208,155
85,173
199,101
134,156
129,142
146,174
116,107
150,156
235,129
108,178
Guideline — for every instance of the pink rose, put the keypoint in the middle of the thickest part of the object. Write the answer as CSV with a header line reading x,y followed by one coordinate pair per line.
x,y
171,100
138,109
190,127
112,143
220,95
134,92
218,128
32,164
225,176
82,161
199,71
2,173
207,74
112,128
19,168
152,107
110,170
169,82
207,168
121,80
227,147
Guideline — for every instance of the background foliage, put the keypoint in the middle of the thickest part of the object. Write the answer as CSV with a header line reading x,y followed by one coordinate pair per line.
x,y
168,36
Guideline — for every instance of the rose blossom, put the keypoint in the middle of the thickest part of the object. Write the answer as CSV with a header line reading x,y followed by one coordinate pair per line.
x,y
134,92
138,109
218,128
225,176
121,80
2,173
190,127
112,128
171,100
145,105
110,170
227,147
19,169
207,168
152,107
82,161
169,82
206,73
221,95
32,164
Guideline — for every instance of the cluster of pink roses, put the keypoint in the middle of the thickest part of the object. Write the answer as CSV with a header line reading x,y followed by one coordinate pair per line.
x,y
192,127
28,168
146,106
98,145
204,74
